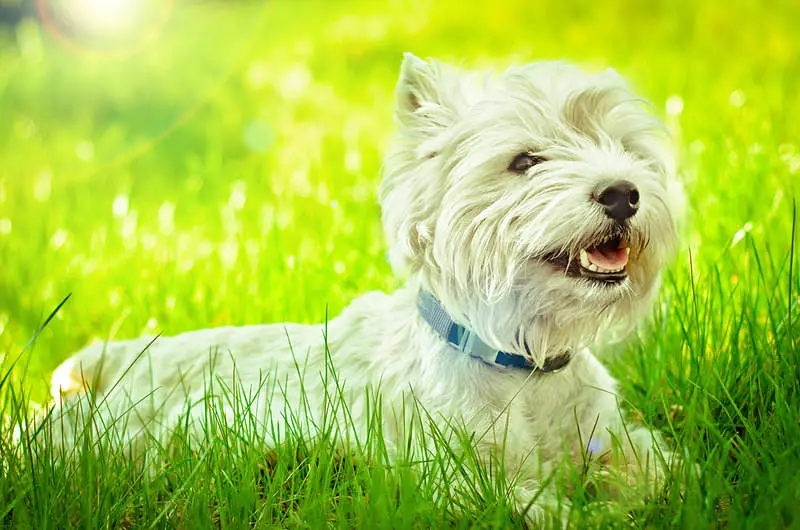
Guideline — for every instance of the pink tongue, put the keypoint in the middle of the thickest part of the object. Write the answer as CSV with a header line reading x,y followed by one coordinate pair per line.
x,y
608,258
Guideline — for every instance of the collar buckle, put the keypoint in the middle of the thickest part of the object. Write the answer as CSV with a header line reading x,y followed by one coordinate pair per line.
x,y
556,363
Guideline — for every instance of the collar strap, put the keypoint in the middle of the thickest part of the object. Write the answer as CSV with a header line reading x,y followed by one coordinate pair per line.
x,y
470,343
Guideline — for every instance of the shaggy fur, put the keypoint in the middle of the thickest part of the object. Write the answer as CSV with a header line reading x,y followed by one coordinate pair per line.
x,y
487,242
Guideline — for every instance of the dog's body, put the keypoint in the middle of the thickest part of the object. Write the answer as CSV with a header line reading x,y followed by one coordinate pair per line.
x,y
536,207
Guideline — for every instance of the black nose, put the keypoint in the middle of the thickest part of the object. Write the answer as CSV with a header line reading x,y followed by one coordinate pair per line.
x,y
620,199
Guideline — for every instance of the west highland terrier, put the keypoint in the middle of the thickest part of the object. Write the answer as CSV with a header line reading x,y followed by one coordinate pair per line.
x,y
530,212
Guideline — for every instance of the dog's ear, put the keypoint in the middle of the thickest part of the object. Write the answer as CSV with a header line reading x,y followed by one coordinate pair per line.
x,y
429,95
417,84
426,93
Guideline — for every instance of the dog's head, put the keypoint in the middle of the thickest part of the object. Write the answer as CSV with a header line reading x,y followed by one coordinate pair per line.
x,y
536,205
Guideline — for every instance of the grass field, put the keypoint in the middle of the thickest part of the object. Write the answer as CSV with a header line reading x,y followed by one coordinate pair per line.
x,y
221,166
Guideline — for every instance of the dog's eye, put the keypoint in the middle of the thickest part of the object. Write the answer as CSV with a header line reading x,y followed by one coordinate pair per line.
x,y
524,161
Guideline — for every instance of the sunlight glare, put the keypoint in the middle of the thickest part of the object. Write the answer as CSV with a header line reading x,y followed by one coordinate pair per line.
x,y
106,14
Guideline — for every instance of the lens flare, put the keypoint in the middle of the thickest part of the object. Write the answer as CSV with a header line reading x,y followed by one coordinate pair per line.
x,y
110,28
102,15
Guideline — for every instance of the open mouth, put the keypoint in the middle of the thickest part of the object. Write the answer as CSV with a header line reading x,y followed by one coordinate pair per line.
x,y
605,262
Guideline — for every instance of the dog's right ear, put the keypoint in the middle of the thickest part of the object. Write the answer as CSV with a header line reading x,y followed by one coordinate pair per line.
x,y
425,95
428,94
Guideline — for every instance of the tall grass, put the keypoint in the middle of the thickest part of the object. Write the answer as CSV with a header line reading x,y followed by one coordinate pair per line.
x,y
721,383
215,472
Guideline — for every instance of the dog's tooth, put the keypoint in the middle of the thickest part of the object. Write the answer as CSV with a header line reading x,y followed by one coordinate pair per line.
x,y
588,265
585,263
628,251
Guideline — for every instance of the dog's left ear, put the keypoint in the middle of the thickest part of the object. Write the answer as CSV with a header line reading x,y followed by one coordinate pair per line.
x,y
426,93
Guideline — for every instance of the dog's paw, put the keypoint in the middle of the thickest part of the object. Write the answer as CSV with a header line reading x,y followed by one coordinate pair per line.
x,y
540,507
639,475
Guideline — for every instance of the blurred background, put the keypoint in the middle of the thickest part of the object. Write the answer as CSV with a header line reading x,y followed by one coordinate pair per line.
x,y
179,164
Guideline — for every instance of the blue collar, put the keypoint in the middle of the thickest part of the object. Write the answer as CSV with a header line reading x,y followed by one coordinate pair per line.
x,y
470,343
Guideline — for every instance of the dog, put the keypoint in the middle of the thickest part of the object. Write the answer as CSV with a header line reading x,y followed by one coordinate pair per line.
x,y
530,213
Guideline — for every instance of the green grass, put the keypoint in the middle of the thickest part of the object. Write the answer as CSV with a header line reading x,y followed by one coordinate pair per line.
x,y
208,231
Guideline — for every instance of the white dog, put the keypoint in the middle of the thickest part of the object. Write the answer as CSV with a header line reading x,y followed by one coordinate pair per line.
x,y
529,212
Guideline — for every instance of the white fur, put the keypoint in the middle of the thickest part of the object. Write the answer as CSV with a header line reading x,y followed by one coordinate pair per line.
x,y
462,226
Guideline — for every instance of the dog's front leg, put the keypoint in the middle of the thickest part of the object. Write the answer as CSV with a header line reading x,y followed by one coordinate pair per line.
x,y
540,504
630,454
531,499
